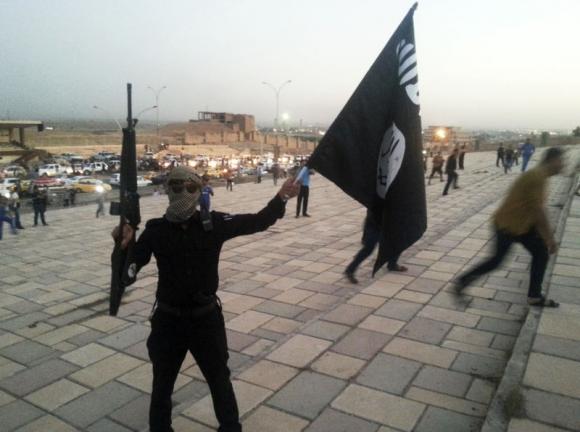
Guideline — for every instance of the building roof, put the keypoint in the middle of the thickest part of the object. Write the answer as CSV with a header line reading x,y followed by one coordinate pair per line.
x,y
12,124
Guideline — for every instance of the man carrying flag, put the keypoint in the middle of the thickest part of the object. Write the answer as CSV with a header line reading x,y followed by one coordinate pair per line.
x,y
380,127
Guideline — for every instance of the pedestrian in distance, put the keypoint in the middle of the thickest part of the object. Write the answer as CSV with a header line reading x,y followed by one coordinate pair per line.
x,y
302,201
516,156
230,180
259,173
206,194
522,218
5,216
275,173
101,204
39,204
370,239
461,160
188,314
528,150
500,154
451,171
508,159
14,206
437,167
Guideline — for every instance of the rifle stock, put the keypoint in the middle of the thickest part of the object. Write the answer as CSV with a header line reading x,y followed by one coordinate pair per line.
x,y
123,272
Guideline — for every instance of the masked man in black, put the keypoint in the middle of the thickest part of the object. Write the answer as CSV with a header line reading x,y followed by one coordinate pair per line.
x,y
186,244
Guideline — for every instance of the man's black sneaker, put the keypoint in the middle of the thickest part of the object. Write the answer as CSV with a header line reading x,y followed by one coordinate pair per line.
x,y
351,278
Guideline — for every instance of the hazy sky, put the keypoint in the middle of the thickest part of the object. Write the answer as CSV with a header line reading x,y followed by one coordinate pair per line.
x,y
482,64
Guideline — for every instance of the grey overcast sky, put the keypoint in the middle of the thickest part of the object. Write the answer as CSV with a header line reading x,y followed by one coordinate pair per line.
x,y
482,64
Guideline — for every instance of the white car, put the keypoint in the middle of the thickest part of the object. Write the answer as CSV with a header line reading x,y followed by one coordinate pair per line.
x,y
115,180
14,170
54,169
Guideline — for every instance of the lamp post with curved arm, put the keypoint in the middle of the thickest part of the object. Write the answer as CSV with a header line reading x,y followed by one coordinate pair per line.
x,y
157,93
110,115
277,91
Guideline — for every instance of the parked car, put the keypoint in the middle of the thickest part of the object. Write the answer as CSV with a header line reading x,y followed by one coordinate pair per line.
x,y
14,171
115,181
9,183
54,169
91,185
95,167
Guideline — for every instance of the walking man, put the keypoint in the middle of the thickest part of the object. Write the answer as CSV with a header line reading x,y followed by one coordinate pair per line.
x,y
230,180
188,314
522,219
302,201
508,159
206,194
528,150
370,239
450,170
437,167
462,152
5,217
101,204
500,153
14,206
39,202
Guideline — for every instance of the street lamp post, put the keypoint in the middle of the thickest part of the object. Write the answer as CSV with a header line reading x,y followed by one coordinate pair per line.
x,y
109,114
157,93
277,92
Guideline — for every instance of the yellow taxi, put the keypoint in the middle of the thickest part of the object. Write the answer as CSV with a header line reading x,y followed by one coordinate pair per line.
x,y
91,185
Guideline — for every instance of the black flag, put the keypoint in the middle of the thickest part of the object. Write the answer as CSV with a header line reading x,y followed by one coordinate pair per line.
x,y
373,149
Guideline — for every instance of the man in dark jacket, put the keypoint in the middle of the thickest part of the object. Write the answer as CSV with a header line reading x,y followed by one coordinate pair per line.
x,y
500,152
188,315
451,171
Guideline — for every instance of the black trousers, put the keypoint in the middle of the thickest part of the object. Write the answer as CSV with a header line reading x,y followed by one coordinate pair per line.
x,y
302,201
39,211
451,178
503,241
205,337
370,240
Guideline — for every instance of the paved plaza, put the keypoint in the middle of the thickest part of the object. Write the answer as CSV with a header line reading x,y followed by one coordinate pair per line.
x,y
308,350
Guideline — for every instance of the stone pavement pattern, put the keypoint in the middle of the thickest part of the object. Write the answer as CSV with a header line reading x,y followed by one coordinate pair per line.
x,y
308,351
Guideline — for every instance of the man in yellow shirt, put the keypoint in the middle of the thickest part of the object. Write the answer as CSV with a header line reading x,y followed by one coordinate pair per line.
x,y
522,218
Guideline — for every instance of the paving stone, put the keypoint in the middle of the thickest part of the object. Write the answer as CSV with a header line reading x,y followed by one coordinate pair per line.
x,y
425,330
96,404
553,374
27,352
127,337
525,425
448,402
248,321
557,346
248,396
8,339
474,349
325,330
106,425
299,350
280,309
105,370
553,409
23,321
338,365
428,286
272,420
399,309
479,365
18,413
282,325
190,392
88,354
56,394
134,415
36,377
472,336
381,324
443,381
503,342
307,394
239,341
495,325
560,325
481,391
268,374
425,353
335,421
440,420
389,373
449,316
47,423
363,344
366,300
379,407
348,314
383,289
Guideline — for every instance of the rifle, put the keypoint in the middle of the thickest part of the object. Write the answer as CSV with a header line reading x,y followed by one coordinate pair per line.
x,y
123,269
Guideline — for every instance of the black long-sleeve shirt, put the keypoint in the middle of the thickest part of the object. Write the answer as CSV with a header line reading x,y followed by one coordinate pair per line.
x,y
187,256
451,164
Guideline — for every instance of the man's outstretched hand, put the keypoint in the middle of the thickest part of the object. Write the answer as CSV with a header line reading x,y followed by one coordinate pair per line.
x,y
289,189
127,234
